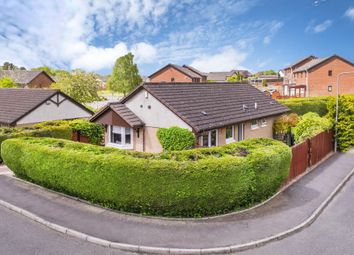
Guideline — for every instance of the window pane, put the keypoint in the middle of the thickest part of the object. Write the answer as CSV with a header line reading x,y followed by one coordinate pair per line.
x,y
205,140
116,134
229,132
117,138
213,138
127,136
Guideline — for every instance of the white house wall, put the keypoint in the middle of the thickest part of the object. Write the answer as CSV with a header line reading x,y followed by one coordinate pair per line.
x,y
157,116
50,111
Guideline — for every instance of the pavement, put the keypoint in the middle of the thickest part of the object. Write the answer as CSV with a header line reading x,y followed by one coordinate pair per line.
x,y
287,210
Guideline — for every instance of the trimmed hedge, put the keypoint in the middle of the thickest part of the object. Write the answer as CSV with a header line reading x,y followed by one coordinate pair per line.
x,y
175,138
190,183
56,132
345,120
308,104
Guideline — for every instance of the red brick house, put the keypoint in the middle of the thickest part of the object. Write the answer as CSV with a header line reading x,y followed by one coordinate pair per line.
x,y
28,79
314,76
176,73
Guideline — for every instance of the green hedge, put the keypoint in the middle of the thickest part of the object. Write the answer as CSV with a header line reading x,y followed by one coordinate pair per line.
x,y
345,120
308,104
56,132
175,138
191,183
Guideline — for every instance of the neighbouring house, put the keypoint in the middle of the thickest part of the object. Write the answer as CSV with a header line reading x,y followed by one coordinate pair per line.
x,y
223,76
176,73
217,113
28,79
25,107
313,76
185,73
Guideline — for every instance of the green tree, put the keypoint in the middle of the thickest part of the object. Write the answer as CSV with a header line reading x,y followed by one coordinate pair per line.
x,y
7,82
125,76
237,77
81,86
47,69
11,66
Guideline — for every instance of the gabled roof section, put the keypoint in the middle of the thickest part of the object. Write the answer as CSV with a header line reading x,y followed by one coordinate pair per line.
x,y
195,70
206,106
308,58
182,69
22,76
123,111
317,61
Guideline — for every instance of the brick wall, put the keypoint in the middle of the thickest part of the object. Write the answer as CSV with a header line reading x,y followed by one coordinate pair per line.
x,y
169,73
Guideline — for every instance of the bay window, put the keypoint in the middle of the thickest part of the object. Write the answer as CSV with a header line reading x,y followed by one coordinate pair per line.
x,y
120,137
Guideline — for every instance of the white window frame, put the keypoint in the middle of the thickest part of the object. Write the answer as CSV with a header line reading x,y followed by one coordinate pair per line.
x,y
232,138
263,122
241,131
256,126
209,138
329,88
123,145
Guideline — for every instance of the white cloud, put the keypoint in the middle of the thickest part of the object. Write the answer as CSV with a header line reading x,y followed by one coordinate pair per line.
x,y
350,13
274,28
227,59
319,28
62,33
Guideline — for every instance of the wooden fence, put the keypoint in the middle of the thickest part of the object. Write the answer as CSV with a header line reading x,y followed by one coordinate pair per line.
x,y
309,153
77,137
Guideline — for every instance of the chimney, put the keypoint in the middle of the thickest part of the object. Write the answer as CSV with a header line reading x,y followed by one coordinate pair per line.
x,y
255,105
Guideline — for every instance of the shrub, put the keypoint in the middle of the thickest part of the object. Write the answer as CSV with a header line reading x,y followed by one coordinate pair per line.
x,y
282,128
302,106
175,138
345,127
310,124
197,182
93,131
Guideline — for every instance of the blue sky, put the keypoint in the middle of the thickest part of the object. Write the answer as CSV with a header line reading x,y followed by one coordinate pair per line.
x,y
209,35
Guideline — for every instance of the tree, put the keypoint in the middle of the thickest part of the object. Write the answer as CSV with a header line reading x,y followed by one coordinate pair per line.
x,y
47,69
7,82
10,66
81,86
235,77
267,72
125,76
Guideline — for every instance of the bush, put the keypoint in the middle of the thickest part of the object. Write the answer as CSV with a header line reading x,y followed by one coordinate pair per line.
x,y
93,131
175,138
282,128
310,124
190,183
345,127
302,106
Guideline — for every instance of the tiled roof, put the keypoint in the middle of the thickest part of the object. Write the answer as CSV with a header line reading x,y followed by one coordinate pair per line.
x,y
310,64
20,76
186,71
300,60
16,103
195,70
218,76
126,114
123,111
206,106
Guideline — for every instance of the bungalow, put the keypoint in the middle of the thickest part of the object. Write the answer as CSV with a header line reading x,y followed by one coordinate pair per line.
x,y
217,113
28,79
25,107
